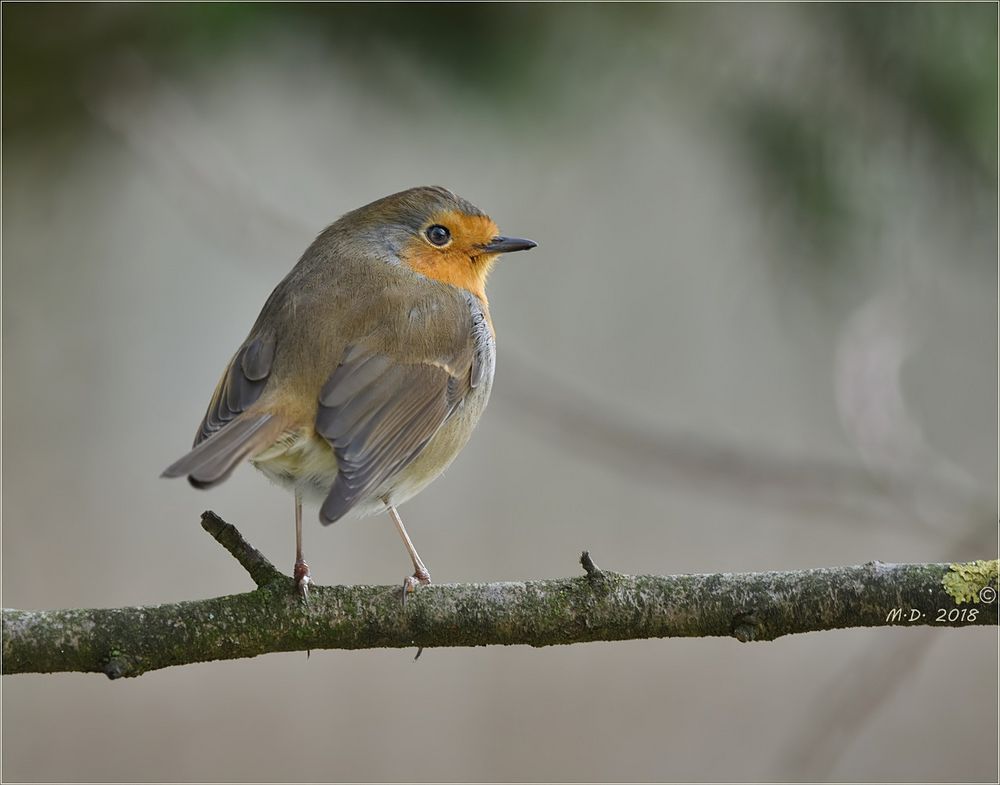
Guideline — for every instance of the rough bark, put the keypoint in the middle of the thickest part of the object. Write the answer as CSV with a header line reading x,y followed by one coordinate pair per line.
x,y
597,606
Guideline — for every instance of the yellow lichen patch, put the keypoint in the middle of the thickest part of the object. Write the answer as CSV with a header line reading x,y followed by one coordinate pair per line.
x,y
459,263
965,582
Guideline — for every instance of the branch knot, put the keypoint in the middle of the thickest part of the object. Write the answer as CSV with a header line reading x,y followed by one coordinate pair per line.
x,y
747,626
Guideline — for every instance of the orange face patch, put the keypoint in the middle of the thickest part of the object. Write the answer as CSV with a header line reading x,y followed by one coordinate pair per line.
x,y
459,262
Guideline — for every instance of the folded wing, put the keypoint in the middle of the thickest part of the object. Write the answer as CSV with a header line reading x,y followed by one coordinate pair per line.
x,y
378,414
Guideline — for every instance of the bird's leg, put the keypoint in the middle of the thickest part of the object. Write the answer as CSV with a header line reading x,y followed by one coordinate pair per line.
x,y
301,571
420,577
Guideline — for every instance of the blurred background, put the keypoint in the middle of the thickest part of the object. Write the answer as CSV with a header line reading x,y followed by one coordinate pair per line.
x,y
758,333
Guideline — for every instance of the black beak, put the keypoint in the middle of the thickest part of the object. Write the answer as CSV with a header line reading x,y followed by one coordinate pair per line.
x,y
507,245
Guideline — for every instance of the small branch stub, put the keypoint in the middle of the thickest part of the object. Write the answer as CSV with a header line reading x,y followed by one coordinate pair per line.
x,y
594,573
253,561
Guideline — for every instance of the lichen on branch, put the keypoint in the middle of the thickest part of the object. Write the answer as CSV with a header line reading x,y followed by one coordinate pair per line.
x,y
966,582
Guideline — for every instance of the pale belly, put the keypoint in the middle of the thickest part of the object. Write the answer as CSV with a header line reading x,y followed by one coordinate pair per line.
x,y
304,462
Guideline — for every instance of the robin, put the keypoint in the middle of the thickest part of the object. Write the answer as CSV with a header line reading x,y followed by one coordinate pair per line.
x,y
368,367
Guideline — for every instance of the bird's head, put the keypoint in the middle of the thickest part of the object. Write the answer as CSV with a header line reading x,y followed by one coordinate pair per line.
x,y
437,234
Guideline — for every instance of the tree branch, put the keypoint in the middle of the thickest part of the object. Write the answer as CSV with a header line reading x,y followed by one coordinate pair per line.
x,y
598,606
262,572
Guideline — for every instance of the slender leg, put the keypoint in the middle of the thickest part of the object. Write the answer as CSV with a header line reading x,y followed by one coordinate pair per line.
x,y
420,577
301,572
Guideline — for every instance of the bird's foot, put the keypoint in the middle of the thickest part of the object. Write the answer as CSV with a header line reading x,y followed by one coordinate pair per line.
x,y
420,578
302,579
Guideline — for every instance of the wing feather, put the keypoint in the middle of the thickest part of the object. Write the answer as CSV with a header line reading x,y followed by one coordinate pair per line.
x,y
378,414
239,387
228,433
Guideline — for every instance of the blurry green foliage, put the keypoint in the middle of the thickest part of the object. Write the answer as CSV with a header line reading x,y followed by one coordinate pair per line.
x,y
933,64
793,153
939,62
488,47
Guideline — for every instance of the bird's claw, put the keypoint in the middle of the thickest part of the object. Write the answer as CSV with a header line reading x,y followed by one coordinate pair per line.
x,y
414,582
302,579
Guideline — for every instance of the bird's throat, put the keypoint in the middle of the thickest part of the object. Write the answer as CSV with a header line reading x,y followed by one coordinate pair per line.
x,y
454,268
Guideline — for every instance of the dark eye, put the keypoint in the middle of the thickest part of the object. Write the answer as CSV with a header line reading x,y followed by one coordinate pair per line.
x,y
438,235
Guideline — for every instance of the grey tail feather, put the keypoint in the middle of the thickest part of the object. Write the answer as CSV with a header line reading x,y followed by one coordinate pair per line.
x,y
214,459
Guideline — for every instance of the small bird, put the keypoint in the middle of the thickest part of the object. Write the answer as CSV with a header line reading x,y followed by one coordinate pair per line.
x,y
368,366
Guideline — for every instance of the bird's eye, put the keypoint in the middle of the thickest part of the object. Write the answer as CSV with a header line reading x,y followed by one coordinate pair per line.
x,y
438,235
